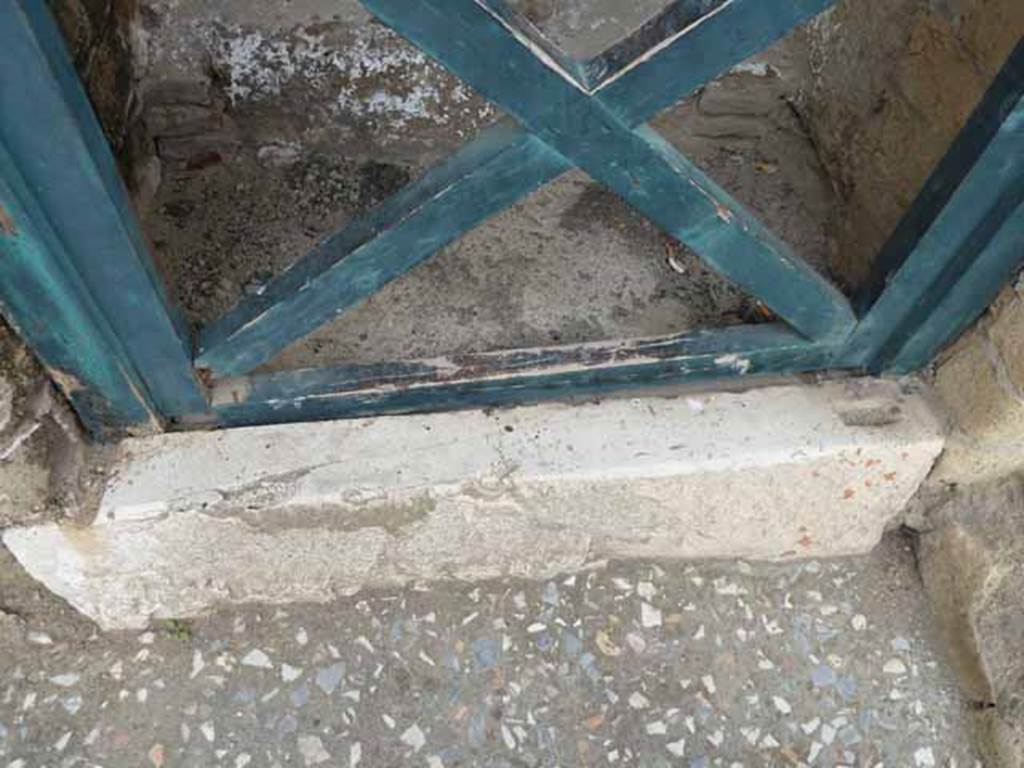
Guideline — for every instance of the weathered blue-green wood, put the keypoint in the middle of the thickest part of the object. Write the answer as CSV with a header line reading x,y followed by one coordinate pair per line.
x,y
957,244
43,298
500,63
484,177
457,195
515,377
1000,99
59,160
83,292
976,288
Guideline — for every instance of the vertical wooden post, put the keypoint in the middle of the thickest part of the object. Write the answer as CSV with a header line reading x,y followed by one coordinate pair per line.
x,y
76,278
959,243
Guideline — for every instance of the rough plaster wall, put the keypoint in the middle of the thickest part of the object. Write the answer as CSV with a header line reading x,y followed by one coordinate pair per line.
x,y
894,81
321,71
309,73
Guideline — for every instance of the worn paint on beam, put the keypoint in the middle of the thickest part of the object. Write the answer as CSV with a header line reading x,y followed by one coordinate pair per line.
x,y
637,164
485,176
699,52
61,177
656,35
49,307
514,377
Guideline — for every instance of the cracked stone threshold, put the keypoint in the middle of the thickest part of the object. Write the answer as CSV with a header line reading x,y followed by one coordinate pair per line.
x,y
306,512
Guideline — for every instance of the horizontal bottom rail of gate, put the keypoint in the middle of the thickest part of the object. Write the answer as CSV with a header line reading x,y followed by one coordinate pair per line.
x,y
514,377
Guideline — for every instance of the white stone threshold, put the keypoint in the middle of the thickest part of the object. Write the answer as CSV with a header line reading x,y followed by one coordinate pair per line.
x,y
305,512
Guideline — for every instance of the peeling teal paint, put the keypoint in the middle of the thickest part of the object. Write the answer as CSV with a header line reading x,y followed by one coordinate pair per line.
x,y
83,290
514,377
78,280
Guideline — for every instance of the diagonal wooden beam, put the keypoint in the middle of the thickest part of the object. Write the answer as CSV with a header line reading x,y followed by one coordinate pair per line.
x,y
642,168
432,212
975,289
570,68
696,50
655,34
484,177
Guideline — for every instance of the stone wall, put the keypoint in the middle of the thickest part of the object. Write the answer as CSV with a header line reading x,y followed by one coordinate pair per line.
x,y
980,381
41,448
971,557
287,80
105,38
99,34
295,77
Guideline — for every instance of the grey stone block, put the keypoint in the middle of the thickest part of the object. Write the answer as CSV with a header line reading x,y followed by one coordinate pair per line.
x,y
972,563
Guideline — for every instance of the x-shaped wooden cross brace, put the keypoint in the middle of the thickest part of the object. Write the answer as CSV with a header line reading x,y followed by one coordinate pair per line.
x,y
584,114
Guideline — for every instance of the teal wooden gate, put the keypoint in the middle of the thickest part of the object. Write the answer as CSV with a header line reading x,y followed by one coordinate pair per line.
x,y
78,283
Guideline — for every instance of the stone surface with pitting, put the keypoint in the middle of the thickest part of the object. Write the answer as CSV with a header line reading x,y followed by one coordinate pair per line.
x,y
820,663
972,561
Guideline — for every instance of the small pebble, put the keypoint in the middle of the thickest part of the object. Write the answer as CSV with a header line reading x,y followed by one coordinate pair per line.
x,y
638,701
257,658
677,748
312,750
650,616
782,705
328,678
895,667
413,737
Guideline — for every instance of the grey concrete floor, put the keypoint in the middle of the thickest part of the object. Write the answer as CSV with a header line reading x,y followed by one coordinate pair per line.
x,y
819,663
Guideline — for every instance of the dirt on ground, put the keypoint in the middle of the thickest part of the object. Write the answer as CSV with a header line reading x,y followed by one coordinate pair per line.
x,y
42,452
